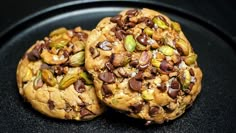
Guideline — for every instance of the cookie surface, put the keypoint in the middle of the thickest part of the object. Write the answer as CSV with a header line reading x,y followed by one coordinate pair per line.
x,y
143,65
52,78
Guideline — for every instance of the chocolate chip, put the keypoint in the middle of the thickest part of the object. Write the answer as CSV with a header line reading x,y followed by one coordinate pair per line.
x,y
79,86
34,55
143,39
147,21
94,52
120,23
109,66
167,109
190,86
139,76
120,34
132,12
106,91
133,63
105,45
135,85
85,112
154,70
175,84
115,18
153,110
136,108
191,72
162,87
129,25
173,92
107,77
82,36
51,104
165,66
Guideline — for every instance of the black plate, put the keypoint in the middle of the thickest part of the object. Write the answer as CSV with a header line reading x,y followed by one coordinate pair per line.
x,y
213,111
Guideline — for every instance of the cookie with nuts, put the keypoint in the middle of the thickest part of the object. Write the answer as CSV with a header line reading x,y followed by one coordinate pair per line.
x,y
52,78
143,65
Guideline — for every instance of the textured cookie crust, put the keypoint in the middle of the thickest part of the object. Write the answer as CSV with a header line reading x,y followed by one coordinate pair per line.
x,y
143,65
52,78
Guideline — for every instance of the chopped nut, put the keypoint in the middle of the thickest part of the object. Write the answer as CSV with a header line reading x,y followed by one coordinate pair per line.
x,y
59,41
58,31
85,76
191,59
147,95
27,74
148,31
166,50
38,82
156,63
145,57
160,23
120,59
48,77
105,45
68,80
130,43
176,26
77,59
185,78
52,59
182,47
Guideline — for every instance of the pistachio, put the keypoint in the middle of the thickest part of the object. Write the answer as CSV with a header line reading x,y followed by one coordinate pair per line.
x,y
185,78
58,31
130,43
189,60
147,95
59,41
27,74
86,77
176,26
78,46
105,45
52,59
166,50
48,77
68,80
148,31
38,82
120,59
156,63
182,47
145,57
77,59
160,23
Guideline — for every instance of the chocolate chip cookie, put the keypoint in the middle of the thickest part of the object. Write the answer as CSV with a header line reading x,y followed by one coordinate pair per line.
x,y
143,65
52,78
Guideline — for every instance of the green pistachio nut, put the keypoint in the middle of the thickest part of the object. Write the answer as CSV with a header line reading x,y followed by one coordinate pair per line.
x,y
68,80
86,77
130,43
77,59
48,77
191,59
166,50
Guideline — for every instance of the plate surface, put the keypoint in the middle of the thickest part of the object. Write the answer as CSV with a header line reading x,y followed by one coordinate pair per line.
x,y
213,111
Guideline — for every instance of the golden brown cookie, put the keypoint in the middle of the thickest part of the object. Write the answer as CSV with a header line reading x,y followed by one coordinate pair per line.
x,y
143,65
52,78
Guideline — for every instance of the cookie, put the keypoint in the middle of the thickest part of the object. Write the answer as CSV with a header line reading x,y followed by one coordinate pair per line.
x,y
143,65
52,78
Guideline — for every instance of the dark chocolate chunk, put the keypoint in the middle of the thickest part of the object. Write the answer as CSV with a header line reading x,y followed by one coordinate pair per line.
x,y
143,39
136,108
132,12
135,85
85,112
34,55
175,84
115,18
79,86
106,91
120,34
173,92
51,105
139,75
165,66
94,52
107,77
191,72
162,87
133,63
153,110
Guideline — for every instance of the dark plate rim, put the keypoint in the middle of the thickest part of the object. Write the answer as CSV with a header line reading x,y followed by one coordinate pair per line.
x,y
20,25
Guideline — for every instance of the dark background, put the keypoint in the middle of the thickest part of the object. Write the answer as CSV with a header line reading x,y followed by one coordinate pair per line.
x,y
221,13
